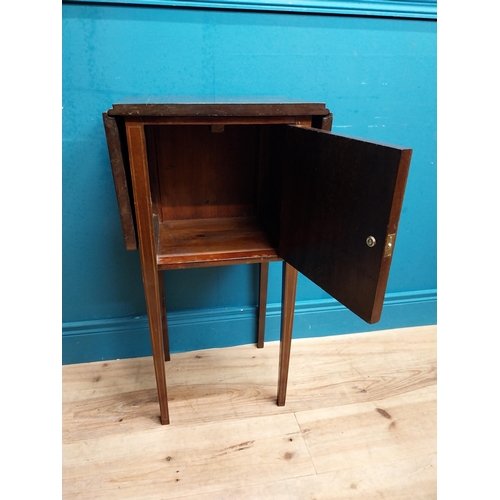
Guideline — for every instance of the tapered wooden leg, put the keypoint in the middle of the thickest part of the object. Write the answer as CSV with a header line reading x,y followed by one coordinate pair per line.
x,y
154,302
164,324
263,280
287,310
153,292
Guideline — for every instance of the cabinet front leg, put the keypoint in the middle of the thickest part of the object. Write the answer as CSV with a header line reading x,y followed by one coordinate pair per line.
x,y
287,311
153,292
164,324
154,308
263,280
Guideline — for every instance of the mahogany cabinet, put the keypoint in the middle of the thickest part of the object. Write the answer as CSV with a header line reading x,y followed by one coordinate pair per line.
x,y
221,183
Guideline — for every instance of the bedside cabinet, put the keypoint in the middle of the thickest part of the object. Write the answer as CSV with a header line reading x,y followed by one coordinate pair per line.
x,y
222,183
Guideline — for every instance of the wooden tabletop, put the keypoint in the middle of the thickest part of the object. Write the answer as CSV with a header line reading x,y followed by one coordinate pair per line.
x,y
213,106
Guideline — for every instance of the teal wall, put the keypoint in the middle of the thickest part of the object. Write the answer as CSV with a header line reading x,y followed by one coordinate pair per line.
x,y
377,75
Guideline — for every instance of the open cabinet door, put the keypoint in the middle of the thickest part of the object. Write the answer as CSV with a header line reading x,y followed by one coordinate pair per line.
x,y
341,203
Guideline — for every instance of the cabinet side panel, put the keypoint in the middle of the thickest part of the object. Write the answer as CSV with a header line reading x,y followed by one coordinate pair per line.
x,y
118,156
323,122
151,145
271,179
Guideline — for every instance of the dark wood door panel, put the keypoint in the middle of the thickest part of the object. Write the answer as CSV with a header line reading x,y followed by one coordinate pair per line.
x,y
339,191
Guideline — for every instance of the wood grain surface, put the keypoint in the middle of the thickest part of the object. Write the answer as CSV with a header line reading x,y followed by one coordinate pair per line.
x,y
360,422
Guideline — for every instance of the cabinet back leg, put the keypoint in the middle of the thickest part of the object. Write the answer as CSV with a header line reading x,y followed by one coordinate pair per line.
x,y
261,322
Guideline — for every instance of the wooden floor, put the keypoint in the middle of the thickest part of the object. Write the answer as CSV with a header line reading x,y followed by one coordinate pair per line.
x,y
359,422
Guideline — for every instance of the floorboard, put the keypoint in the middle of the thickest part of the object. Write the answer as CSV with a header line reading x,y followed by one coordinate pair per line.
x,y
360,422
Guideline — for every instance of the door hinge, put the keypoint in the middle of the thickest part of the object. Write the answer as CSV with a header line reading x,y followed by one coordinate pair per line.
x,y
389,245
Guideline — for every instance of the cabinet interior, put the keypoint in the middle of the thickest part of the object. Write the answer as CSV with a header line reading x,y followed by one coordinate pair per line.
x,y
216,192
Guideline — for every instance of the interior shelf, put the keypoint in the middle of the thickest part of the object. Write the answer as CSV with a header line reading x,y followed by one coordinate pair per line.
x,y
212,241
